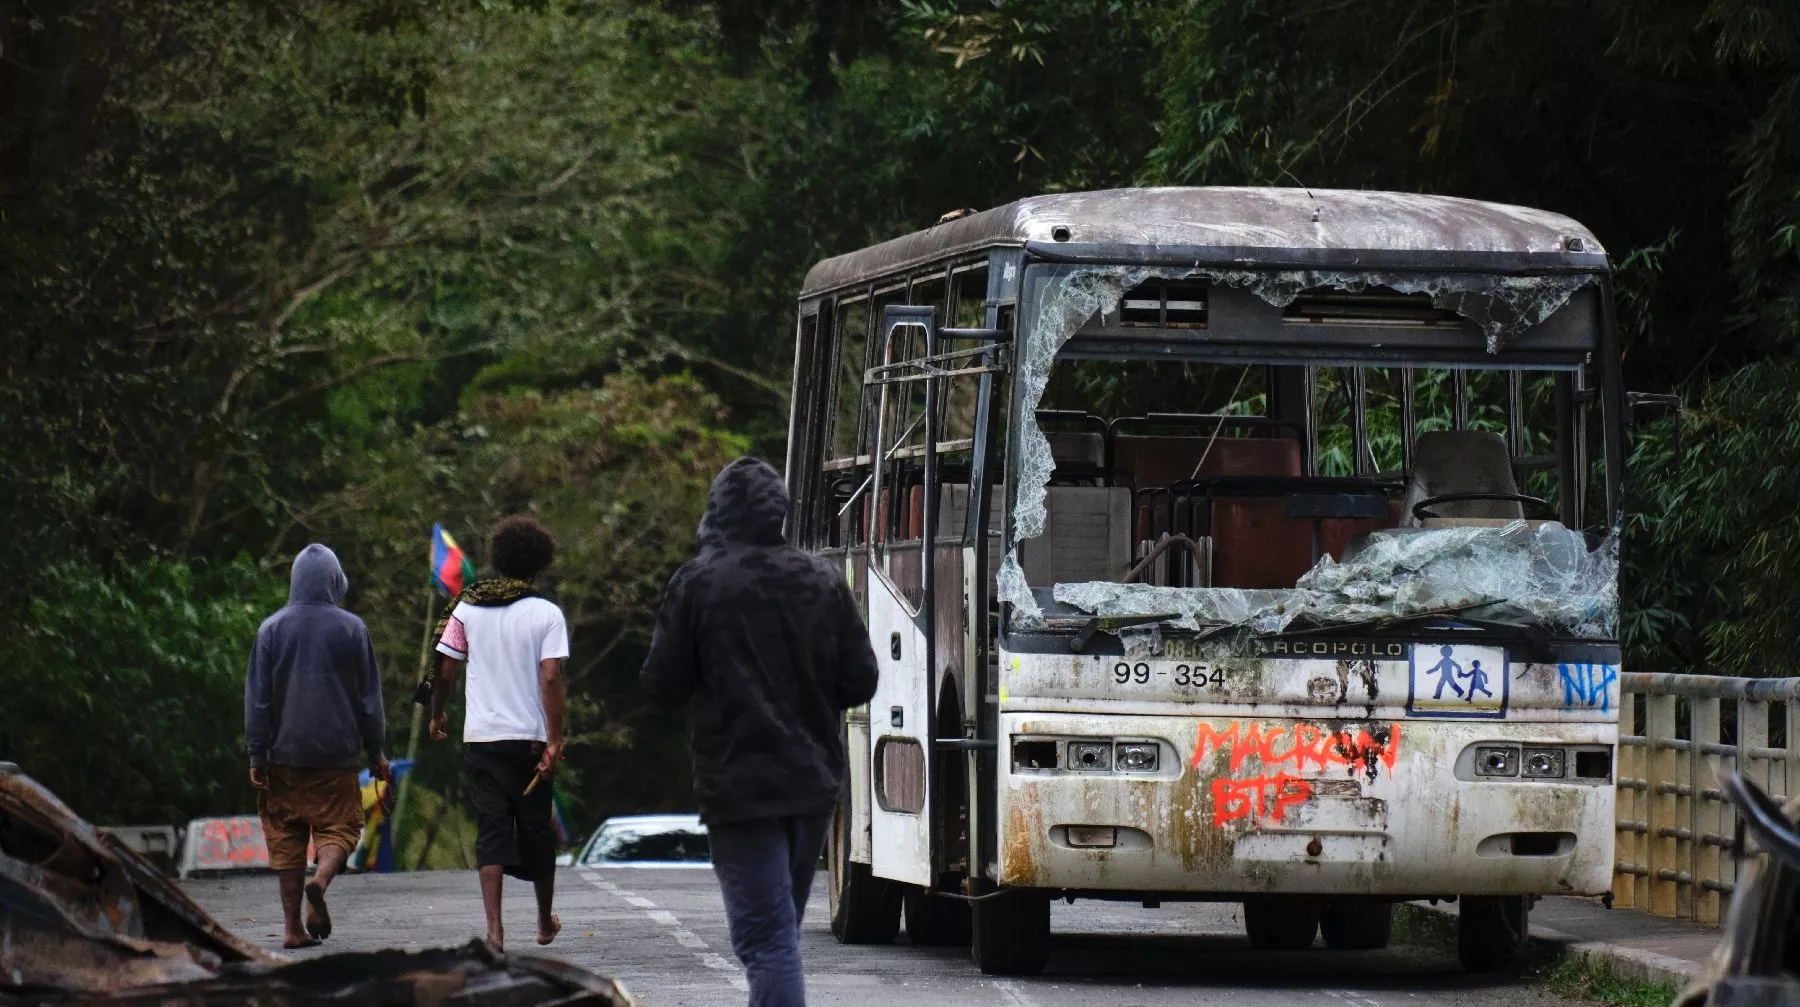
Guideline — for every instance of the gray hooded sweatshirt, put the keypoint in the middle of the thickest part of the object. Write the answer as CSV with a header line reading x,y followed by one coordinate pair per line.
x,y
313,697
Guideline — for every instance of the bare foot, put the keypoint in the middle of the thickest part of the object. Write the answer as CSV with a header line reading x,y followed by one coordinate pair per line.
x,y
498,939
294,942
555,928
318,918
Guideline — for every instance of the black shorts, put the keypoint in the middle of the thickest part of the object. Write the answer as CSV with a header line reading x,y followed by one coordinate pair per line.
x,y
512,828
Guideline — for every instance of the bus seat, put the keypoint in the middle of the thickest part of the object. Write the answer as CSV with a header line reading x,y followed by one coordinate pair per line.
x,y
1462,461
953,511
1077,453
1256,544
1087,536
912,520
1162,461
1087,532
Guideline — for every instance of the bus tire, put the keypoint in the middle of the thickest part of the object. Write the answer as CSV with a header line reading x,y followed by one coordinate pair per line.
x,y
1356,925
935,921
1011,934
865,909
1491,932
1275,924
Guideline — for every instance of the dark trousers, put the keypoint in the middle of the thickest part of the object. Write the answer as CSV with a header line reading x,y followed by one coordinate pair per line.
x,y
765,870
512,828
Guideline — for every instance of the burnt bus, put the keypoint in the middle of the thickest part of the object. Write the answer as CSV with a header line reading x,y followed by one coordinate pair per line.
x,y
1249,544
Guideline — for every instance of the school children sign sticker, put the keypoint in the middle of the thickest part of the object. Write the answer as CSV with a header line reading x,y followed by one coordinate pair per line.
x,y
1457,680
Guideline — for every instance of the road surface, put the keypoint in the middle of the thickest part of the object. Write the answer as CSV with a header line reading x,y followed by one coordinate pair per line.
x,y
662,933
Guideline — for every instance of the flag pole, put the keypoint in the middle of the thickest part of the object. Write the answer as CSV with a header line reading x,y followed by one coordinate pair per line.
x,y
418,714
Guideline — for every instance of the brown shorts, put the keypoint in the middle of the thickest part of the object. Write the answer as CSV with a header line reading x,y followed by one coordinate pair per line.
x,y
323,805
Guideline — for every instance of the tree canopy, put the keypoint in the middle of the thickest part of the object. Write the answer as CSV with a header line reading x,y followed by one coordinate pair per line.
x,y
282,272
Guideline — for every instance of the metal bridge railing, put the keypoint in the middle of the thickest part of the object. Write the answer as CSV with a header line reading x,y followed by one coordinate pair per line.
x,y
1677,734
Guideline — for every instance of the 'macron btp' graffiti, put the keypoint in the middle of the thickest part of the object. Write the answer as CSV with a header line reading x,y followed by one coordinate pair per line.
x,y
1287,758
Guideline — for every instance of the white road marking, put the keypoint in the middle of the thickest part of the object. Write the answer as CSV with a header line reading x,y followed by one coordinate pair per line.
x,y
736,977
1011,991
684,937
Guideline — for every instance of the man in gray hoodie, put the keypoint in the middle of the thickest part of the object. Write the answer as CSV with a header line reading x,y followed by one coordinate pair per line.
x,y
312,703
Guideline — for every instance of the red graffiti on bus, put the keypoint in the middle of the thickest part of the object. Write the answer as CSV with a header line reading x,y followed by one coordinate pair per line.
x,y
1281,754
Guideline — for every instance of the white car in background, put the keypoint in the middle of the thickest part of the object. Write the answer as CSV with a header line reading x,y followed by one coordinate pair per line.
x,y
678,841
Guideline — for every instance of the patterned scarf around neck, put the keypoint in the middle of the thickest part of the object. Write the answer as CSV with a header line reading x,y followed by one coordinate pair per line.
x,y
493,592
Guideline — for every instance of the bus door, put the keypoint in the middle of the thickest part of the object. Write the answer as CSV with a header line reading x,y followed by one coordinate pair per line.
x,y
900,615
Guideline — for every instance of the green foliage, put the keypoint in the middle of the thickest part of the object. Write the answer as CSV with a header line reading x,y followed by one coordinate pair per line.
x,y
1715,529
1590,979
282,272
125,690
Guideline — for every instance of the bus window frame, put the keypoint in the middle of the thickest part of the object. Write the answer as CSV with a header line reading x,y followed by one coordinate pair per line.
x,y
1220,344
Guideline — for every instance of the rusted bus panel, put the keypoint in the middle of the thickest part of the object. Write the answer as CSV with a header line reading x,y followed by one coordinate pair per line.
x,y
950,613
857,745
1389,679
1227,224
1258,804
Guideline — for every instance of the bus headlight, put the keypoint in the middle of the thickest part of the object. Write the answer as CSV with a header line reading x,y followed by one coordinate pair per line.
x,y
1090,756
1135,757
1496,761
1544,763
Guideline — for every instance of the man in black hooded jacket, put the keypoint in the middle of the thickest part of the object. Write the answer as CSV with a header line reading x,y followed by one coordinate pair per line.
x,y
768,644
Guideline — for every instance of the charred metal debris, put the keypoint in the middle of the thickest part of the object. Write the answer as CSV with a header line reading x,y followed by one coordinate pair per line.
x,y
84,919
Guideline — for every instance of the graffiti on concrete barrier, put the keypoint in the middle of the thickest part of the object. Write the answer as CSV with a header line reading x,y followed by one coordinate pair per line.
x,y
1265,770
1588,686
229,843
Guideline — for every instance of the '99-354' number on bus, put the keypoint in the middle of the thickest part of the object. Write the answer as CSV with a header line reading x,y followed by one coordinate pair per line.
x,y
1187,676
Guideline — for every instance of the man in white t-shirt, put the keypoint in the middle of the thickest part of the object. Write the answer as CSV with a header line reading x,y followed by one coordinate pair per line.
x,y
514,642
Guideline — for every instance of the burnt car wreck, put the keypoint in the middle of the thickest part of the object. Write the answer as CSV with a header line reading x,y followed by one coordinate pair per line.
x,y
85,919
1757,963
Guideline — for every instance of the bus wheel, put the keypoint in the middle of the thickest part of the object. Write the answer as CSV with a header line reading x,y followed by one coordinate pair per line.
x,y
1490,932
1281,924
865,909
1357,925
931,920
1011,933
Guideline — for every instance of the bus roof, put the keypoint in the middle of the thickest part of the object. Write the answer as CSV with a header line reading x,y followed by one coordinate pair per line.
x,y
1265,227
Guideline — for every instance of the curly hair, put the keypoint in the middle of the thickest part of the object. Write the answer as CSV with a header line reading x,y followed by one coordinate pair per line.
x,y
520,548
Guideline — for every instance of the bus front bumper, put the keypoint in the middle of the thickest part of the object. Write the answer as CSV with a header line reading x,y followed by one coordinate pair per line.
x,y
1297,807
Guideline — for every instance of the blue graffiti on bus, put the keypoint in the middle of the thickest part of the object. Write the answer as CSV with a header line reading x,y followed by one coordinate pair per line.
x,y
1588,685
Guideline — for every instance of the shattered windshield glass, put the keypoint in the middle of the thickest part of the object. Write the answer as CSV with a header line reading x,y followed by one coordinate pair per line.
x,y
1542,576
1538,572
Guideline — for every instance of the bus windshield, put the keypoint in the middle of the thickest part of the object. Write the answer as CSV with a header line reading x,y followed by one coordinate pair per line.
x,y
1203,453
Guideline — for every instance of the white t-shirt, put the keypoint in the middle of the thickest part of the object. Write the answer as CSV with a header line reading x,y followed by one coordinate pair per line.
x,y
503,647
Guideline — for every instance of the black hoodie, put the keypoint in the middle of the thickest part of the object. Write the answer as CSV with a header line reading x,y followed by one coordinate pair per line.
x,y
768,643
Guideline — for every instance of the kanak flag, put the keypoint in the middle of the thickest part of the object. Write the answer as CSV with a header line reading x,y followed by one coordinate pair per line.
x,y
450,566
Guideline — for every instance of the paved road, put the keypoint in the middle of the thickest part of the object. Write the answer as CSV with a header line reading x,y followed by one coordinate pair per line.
x,y
662,933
